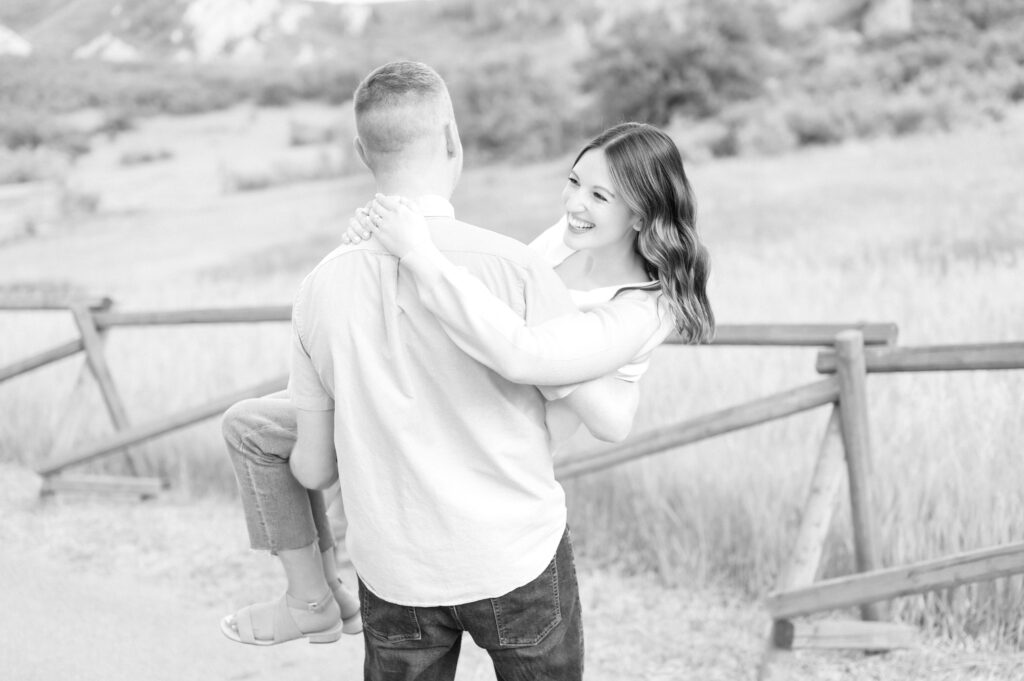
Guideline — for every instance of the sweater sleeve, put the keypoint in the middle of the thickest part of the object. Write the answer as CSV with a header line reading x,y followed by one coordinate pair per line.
x,y
568,349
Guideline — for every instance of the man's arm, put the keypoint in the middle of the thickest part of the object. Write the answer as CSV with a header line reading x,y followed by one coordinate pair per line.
x,y
313,461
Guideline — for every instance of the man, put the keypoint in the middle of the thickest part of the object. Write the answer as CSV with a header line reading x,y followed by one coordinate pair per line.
x,y
456,522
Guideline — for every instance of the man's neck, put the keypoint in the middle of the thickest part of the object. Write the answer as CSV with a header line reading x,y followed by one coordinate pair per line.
x,y
412,185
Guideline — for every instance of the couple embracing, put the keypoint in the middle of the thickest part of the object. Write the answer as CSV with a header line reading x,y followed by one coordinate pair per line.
x,y
435,365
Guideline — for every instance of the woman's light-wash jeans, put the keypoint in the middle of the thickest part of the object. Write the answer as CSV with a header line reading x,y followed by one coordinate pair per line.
x,y
280,513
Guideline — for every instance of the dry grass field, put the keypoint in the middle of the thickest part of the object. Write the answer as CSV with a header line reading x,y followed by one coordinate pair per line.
x,y
926,231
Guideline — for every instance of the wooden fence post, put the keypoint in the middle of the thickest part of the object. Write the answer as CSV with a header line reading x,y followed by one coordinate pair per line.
x,y
853,410
805,558
70,417
97,363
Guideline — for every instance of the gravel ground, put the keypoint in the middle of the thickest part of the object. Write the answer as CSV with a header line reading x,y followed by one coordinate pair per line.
x,y
147,581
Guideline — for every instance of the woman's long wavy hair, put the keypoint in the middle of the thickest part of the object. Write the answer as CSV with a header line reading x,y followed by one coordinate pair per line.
x,y
647,169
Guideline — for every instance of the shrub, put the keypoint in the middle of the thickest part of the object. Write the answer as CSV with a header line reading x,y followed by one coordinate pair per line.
x,y
910,114
143,156
520,109
301,134
32,165
644,70
763,131
277,93
323,166
114,123
813,125
25,129
333,84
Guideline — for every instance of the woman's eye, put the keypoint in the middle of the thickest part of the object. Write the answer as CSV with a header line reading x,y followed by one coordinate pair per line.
x,y
574,182
599,197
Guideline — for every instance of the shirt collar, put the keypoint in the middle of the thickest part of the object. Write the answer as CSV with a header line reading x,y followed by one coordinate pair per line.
x,y
435,206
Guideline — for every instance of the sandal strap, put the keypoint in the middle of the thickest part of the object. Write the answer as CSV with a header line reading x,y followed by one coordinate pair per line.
x,y
315,606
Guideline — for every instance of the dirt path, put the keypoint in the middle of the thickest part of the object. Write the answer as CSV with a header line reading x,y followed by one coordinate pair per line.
x,y
114,629
110,589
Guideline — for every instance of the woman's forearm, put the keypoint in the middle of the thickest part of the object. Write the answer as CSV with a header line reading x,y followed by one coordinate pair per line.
x,y
606,406
569,349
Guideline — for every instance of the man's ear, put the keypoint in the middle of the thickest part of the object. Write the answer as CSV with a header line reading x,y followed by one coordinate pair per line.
x,y
361,152
451,139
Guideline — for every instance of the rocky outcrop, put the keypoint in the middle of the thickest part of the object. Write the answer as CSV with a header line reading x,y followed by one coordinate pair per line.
x,y
12,44
873,18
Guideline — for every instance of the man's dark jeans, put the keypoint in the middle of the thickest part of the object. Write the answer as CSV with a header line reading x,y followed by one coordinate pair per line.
x,y
532,633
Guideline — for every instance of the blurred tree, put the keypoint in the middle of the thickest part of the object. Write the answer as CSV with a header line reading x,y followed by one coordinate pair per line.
x,y
519,108
643,69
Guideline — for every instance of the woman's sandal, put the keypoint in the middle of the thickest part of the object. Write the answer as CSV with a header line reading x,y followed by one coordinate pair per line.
x,y
253,623
348,603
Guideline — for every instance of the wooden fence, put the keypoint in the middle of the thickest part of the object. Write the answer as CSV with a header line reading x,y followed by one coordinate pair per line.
x,y
849,352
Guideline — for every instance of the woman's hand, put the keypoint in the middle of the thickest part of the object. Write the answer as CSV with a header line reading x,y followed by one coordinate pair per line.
x,y
360,227
397,226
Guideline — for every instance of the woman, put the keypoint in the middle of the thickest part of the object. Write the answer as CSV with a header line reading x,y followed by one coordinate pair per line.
x,y
628,250
631,251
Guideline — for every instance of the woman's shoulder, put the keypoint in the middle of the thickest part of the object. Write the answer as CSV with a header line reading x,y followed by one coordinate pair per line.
x,y
551,244
655,301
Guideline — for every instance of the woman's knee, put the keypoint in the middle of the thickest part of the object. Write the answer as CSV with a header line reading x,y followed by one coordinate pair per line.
x,y
238,421
260,428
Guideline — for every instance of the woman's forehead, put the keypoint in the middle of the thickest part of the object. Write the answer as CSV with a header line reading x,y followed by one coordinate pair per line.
x,y
592,167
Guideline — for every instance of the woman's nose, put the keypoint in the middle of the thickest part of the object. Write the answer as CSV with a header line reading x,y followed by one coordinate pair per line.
x,y
573,203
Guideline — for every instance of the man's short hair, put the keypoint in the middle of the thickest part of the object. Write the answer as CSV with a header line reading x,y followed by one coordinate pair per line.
x,y
398,104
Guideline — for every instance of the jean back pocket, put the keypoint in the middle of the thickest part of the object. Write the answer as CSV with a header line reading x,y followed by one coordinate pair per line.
x,y
525,615
388,621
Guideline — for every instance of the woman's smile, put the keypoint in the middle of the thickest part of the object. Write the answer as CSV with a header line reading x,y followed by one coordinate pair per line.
x,y
577,225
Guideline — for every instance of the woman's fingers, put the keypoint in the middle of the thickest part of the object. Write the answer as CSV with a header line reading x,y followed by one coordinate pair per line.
x,y
386,203
371,218
365,224
355,233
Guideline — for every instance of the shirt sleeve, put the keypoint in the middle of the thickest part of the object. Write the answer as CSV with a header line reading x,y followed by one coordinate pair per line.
x,y
567,349
304,386
639,364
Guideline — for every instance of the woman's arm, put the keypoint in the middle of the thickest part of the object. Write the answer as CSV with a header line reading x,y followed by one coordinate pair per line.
x,y
566,350
606,406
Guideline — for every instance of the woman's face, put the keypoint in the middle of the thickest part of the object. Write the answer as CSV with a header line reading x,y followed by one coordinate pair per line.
x,y
596,212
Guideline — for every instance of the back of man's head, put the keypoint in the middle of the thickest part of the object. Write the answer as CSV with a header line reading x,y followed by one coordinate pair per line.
x,y
403,113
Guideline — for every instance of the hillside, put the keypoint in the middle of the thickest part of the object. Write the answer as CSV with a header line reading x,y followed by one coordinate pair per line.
x,y
733,78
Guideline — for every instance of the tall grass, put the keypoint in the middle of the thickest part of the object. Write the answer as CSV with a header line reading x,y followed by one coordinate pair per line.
x,y
924,232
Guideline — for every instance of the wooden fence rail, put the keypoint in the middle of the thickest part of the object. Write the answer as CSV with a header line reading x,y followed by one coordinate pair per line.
x,y
239,315
94,318
32,303
23,366
798,335
755,412
148,431
979,357
880,585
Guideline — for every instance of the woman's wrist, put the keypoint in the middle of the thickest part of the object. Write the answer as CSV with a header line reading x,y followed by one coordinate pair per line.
x,y
425,262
